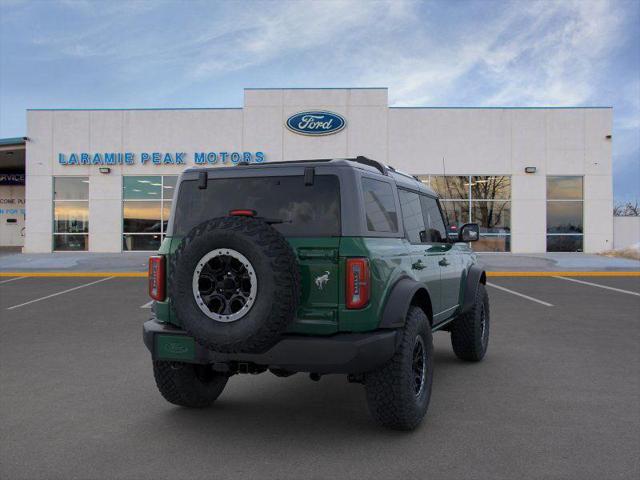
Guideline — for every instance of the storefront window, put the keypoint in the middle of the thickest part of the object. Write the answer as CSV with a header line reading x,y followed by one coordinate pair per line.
x,y
450,186
70,213
564,214
482,199
146,206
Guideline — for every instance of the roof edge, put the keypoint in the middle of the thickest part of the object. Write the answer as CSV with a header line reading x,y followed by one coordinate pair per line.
x,y
509,108
13,141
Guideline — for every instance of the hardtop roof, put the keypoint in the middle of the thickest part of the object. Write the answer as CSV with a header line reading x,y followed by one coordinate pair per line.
x,y
361,163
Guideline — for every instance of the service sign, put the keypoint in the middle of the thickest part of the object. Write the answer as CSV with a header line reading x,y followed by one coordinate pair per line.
x,y
315,123
11,178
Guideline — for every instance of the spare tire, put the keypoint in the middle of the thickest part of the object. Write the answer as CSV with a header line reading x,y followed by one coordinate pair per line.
x,y
234,284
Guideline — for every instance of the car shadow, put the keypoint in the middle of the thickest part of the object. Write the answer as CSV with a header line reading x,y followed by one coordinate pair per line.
x,y
264,406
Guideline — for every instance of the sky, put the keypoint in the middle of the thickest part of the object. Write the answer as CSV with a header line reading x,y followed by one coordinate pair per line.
x,y
136,54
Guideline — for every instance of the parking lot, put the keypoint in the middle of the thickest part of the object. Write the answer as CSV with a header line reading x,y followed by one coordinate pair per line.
x,y
556,397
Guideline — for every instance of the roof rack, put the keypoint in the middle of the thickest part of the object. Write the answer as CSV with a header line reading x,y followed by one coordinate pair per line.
x,y
372,163
404,174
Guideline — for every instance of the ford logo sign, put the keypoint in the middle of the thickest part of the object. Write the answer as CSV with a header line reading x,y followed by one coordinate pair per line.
x,y
316,123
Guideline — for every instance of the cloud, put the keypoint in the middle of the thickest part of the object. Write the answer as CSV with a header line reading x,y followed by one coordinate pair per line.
x,y
537,53
271,31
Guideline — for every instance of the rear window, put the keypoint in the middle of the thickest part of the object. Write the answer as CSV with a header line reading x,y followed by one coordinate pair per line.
x,y
379,206
306,211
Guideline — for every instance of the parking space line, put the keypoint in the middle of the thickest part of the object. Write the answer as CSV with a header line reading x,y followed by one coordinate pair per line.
x,y
147,305
12,279
59,293
629,292
546,304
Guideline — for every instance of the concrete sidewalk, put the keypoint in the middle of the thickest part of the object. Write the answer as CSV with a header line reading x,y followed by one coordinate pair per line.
x,y
555,262
137,262
74,262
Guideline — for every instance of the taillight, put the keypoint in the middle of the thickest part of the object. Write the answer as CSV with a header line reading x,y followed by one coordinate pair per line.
x,y
357,282
242,213
156,277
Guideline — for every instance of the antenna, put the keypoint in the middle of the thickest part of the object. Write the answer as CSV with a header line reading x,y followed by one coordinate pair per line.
x,y
446,183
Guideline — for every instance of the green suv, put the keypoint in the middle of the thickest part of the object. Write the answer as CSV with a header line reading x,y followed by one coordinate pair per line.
x,y
324,266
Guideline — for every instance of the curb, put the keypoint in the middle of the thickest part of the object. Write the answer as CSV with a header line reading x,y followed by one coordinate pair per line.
x,y
489,274
74,274
564,274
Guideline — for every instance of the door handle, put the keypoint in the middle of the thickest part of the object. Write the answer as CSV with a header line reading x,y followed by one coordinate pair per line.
x,y
444,262
418,265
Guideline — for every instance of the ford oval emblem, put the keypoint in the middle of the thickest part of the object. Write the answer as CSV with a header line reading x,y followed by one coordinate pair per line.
x,y
317,122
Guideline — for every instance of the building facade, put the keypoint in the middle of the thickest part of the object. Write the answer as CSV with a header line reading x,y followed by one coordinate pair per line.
x,y
536,179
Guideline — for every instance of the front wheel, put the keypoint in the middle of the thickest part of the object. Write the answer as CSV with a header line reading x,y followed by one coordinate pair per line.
x,y
398,393
188,385
470,331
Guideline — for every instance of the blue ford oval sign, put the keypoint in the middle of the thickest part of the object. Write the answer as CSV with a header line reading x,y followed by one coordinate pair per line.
x,y
316,122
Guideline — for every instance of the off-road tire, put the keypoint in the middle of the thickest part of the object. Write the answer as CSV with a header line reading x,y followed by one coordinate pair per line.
x,y
278,280
390,390
468,337
188,385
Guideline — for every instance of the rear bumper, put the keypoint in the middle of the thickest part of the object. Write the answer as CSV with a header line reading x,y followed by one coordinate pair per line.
x,y
340,353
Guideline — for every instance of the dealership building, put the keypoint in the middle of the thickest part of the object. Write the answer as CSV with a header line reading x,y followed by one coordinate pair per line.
x,y
535,179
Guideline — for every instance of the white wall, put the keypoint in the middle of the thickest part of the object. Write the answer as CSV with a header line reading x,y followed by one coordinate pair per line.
x,y
472,141
505,141
626,232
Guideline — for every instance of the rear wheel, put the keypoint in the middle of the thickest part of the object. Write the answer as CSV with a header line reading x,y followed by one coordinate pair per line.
x,y
398,393
188,385
470,331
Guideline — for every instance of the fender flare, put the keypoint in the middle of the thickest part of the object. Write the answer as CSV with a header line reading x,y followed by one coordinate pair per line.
x,y
475,276
403,292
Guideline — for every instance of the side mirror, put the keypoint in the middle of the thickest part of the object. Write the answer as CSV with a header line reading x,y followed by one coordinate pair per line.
x,y
469,232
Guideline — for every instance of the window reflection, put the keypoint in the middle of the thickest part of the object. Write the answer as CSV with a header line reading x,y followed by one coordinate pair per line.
x,y
493,243
142,187
564,188
564,243
71,217
71,188
141,242
65,243
453,187
70,213
490,187
564,214
141,217
493,217
146,209
564,217
456,212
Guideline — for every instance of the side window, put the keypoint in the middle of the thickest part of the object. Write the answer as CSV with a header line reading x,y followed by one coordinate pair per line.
x,y
379,205
412,216
436,231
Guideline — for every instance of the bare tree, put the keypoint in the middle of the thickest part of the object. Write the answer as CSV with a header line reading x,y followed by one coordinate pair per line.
x,y
627,209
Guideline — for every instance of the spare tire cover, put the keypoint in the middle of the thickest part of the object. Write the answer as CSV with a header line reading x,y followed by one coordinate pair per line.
x,y
234,284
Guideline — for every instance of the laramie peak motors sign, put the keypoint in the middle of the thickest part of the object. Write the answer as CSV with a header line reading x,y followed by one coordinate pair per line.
x,y
315,123
159,158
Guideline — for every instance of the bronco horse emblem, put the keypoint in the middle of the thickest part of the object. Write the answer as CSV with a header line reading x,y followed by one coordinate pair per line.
x,y
322,280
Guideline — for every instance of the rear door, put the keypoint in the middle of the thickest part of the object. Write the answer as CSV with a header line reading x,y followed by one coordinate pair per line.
x,y
424,264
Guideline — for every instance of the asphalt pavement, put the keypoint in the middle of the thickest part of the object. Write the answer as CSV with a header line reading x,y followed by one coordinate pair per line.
x,y
556,397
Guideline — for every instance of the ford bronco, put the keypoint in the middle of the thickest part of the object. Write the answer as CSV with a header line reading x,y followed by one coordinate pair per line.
x,y
325,266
